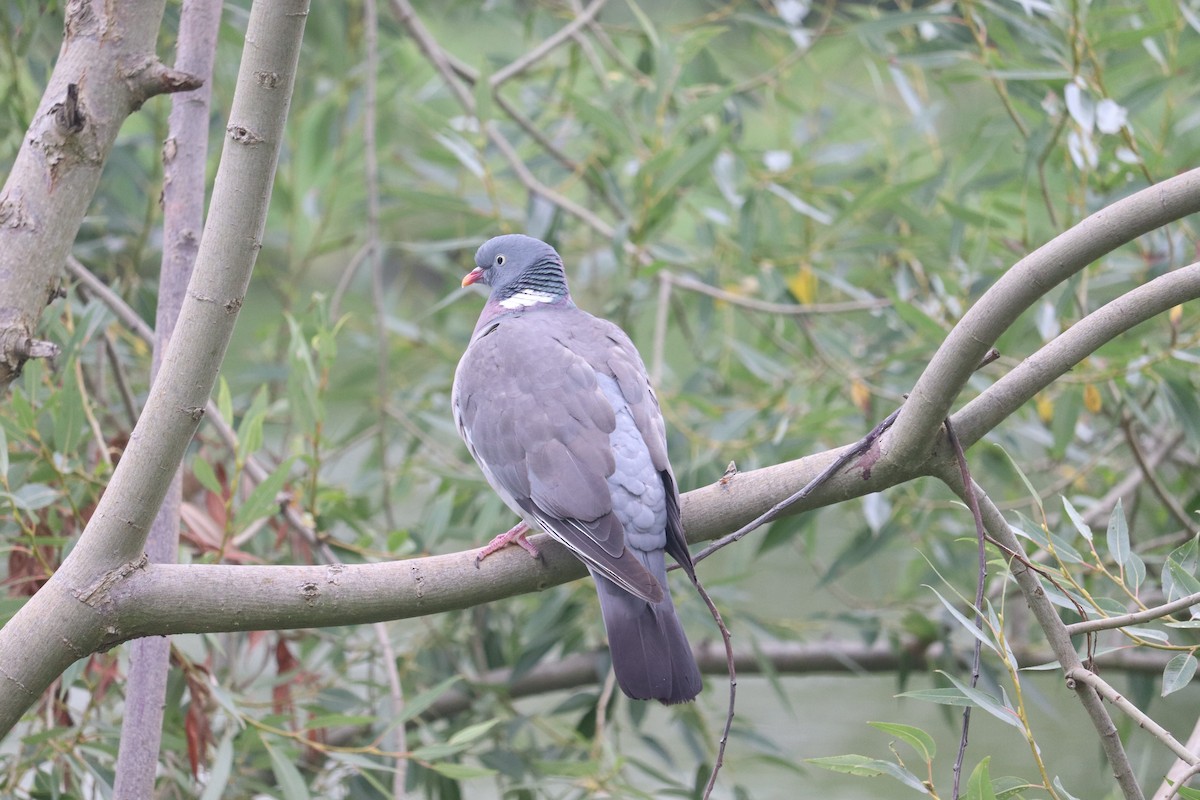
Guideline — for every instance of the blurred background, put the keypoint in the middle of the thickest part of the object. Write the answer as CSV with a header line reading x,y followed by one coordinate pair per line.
x,y
787,205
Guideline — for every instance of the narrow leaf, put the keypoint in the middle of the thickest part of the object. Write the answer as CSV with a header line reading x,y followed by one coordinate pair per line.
x,y
970,626
1118,535
287,777
1179,673
918,739
868,767
979,785
1084,529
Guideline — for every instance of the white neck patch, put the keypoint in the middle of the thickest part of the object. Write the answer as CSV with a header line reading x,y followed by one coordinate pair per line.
x,y
526,298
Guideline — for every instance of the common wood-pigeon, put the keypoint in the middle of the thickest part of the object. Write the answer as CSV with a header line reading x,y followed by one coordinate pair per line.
x,y
556,407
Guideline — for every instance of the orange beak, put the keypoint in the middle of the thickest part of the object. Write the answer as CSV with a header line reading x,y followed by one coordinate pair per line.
x,y
472,276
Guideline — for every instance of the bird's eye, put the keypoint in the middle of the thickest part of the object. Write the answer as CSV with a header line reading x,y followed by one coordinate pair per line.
x,y
500,261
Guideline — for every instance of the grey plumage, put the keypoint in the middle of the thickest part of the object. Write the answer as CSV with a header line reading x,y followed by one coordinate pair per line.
x,y
555,406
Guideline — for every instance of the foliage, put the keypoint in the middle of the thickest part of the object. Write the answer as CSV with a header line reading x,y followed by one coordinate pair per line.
x,y
785,153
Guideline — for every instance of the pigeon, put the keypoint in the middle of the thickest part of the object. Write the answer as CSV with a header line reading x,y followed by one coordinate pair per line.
x,y
556,408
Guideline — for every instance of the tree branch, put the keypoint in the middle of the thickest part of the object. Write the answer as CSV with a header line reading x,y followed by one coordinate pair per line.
x,y
1030,278
184,159
1055,631
1001,399
107,67
110,547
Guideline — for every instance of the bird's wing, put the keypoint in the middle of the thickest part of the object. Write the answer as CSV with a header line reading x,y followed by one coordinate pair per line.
x,y
609,350
532,415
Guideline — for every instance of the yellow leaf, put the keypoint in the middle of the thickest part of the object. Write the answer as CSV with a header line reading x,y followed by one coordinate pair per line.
x,y
1045,407
860,395
1175,314
803,285
1091,398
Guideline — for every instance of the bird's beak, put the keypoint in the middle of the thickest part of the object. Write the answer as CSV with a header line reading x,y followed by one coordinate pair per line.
x,y
472,276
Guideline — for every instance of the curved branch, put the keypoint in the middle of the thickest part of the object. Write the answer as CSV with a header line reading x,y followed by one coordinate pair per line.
x,y
1017,290
1082,339
1057,635
107,67
110,547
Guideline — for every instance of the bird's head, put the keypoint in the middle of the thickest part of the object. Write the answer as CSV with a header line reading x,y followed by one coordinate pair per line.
x,y
514,264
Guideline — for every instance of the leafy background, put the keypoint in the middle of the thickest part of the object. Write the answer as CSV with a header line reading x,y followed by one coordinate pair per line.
x,y
792,153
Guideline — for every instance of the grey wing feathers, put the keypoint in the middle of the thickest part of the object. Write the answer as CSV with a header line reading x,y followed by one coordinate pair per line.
x,y
549,460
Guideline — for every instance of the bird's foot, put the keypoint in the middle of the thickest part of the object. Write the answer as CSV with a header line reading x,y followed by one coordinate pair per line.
x,y
517,534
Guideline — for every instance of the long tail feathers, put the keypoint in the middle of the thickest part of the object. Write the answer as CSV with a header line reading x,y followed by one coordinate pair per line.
x,y
650,654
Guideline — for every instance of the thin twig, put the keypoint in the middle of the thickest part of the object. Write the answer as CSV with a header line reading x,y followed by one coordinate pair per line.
x,y
519,65
843,458
727,639
1164,497
981,578
438,57
122,381
799,310
1144,721
1108,623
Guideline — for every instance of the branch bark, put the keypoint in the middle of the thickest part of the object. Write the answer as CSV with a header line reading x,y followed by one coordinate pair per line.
x,y
106,69
111,546
185,154
1020,287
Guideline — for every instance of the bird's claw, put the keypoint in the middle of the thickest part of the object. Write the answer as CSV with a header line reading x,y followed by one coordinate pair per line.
x,y
517,534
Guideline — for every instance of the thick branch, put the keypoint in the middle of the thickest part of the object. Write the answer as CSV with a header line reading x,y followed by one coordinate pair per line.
x,y
185,154
1019,288
1001,399
1055,631
111,545
107,67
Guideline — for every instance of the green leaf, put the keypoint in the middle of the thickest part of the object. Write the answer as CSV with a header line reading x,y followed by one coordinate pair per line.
x,y
918,739
225,401
1118,535
250,432
222,766
1179,673
418,704
262,501
1084,529
980,699
946,696
287,777
1182,581
1033,493
870,768
979,785
461,771
3,455
204,473
967,624
473,732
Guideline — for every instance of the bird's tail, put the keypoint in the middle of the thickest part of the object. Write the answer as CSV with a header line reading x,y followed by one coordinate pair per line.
x,y
650,654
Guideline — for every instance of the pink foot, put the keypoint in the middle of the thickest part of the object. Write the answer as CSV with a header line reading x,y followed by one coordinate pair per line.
x,y
515,535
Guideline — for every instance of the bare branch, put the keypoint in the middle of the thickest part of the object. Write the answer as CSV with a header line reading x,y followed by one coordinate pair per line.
x,y
1079,675
184,159
1055,631
1039,370
1029,279
110,547
1108,623
57,169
